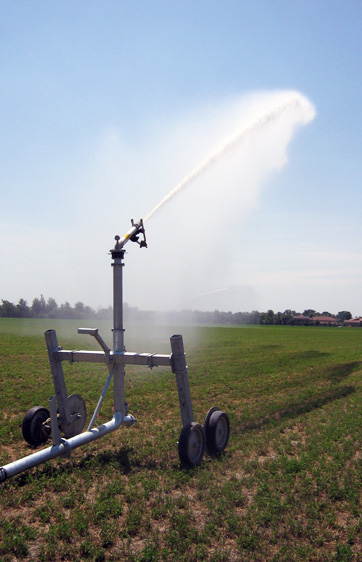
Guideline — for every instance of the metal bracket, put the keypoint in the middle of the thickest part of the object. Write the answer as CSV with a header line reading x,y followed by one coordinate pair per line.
x,y
151,364
94,332
67,448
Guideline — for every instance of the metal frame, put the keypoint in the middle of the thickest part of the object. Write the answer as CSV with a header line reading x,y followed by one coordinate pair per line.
x,y
61,416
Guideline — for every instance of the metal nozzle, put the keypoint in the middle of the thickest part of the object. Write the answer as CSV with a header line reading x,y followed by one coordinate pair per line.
x,y
133,235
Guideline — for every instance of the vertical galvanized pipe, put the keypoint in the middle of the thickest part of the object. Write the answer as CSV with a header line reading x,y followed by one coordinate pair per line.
x,y
118,330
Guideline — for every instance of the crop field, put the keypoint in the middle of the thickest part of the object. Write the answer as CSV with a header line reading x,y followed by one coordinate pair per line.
x,y
287,488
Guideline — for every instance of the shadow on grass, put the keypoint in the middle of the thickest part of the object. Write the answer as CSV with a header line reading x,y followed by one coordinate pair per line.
x,y
91,462
339,372
118,459
297,408
267,346
310,354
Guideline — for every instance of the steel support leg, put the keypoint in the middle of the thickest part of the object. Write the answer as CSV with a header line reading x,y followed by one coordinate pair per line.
x,y
58,377
179,367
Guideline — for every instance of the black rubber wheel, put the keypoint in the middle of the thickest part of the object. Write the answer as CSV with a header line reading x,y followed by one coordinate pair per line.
x,y
191,445
217,431
35,432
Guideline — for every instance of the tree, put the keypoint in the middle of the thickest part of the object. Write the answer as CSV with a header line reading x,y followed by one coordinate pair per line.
x,y
88,312
65,310
51,308
309,312
8,309
79,310
344,315
287,316
255,317
23,311
105,313
270,317
38,308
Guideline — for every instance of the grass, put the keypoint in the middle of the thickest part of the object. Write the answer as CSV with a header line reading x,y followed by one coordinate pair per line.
x,y
288,487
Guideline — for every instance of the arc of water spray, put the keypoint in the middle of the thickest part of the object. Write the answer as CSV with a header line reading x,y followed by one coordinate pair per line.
x,y
229,145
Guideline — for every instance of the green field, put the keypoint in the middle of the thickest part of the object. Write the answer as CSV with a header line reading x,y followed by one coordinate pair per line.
x,y
288,487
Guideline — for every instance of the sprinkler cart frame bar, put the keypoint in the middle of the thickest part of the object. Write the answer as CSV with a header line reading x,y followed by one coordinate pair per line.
x,y
68,413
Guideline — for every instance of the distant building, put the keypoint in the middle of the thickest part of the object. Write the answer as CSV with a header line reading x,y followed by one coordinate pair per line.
x,y
325,320
354,322
302,320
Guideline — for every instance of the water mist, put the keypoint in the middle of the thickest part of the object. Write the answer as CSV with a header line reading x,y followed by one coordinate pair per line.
x,y
197,228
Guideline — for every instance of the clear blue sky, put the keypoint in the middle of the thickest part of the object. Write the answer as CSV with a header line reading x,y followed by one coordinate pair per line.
x,y
96,98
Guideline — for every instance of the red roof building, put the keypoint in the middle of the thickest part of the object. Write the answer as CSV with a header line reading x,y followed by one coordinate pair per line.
x,y
315,320
354,322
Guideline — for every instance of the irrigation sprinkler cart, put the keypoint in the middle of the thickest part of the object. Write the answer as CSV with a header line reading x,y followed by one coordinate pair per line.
x,y
67,414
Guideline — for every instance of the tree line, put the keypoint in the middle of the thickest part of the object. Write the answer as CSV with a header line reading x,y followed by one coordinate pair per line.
x,y
288,317
41,308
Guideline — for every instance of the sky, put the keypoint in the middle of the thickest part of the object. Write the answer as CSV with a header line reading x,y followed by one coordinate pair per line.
x,y
107,106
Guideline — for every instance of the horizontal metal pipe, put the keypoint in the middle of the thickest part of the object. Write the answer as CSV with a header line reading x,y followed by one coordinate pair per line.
x,y
126,358
147,359
64,448
77,356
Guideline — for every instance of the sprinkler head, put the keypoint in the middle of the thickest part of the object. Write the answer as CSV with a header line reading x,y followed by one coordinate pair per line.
x,y
139,229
